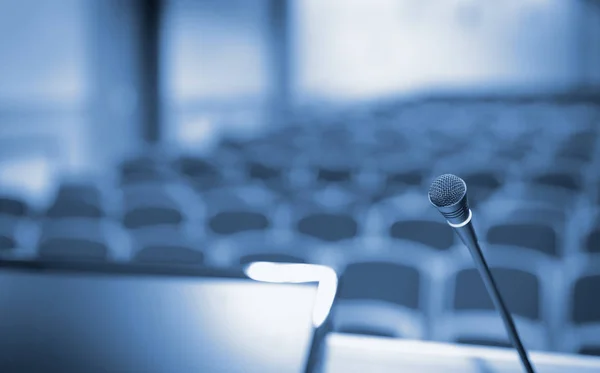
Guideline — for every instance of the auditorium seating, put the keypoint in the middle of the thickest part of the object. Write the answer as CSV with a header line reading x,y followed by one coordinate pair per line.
x,y
367,305
348,189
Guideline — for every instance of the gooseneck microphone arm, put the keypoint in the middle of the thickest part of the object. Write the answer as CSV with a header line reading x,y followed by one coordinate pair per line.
x,y
468,237
448,194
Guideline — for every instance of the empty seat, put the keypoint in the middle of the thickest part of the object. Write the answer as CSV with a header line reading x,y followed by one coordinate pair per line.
x,y
434,234
169,254
79,192
557,179
74,208
7,242
586,303
484,342
590,350
579,147
152,215
329,227
264,172
535,236
335,175
232,222
379,298
520,290
470,316
72,249
13,207
406,178
138,165
482,184
74,238
142,170
200,172
556,189
592,243
395,283
240,221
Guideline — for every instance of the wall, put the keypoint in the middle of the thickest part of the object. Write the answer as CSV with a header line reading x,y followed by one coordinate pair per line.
x,y
357,49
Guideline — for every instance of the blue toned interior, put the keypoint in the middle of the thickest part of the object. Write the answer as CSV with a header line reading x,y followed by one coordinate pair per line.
x,y
223,133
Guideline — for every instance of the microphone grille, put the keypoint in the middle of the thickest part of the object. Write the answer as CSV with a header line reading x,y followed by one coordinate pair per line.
x,y
447,190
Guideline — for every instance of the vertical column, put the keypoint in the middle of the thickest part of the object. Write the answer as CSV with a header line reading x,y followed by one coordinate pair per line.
x,y
279,41
149,68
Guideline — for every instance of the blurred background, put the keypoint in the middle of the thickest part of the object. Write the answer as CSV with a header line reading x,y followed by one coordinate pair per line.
x,y
224,132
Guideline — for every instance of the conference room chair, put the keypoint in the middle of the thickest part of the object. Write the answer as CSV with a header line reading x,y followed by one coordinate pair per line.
x,y
582,329
241,220
534,228
76,239
17,226
590,237
468,315
142,168
327,223
559,186
166,244
200,172
157,212
13,207
63,208
398,172
269,162
579,148
381,295
87,192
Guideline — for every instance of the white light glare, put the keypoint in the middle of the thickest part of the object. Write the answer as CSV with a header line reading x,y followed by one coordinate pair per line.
x,y
296,273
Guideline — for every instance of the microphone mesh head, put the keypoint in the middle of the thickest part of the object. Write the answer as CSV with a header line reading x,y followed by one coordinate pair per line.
x,y
447,190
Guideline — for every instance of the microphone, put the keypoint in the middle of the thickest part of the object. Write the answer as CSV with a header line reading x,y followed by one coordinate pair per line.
x,y
448,193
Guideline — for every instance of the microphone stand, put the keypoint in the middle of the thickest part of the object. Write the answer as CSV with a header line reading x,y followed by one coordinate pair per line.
x,y
467,234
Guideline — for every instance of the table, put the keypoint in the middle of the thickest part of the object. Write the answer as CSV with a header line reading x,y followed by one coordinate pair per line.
x,y
362,354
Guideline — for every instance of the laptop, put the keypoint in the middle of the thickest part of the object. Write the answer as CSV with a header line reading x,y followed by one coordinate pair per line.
x,y
76,317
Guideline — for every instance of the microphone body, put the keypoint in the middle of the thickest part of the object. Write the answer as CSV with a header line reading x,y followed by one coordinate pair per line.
x,y
448,194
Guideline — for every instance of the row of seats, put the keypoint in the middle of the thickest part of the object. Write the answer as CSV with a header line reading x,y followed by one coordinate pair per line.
x,y
349,189
328,215
381,298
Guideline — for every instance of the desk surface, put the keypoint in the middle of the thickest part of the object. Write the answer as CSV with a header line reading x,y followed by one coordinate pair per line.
x,y
348,354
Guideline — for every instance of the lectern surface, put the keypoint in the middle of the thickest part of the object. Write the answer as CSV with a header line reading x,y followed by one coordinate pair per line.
x,y
84,322
349,353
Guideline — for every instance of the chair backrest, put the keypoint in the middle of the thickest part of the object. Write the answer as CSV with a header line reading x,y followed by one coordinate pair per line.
x,y
490,342
148,216
437,235
328,226
590,350
389,282
13,207
535,236
170,254
232,222
66,248
520,290
7,242
79,192
586,303
74,208
562,180
201,172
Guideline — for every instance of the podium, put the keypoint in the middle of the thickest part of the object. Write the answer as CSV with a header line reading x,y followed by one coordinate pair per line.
x,y
359,354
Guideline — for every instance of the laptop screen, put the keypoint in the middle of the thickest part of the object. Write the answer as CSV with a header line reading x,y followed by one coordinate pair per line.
x,y
75,322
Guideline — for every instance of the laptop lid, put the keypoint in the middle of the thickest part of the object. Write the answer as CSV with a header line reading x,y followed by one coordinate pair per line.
x,y
123,318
